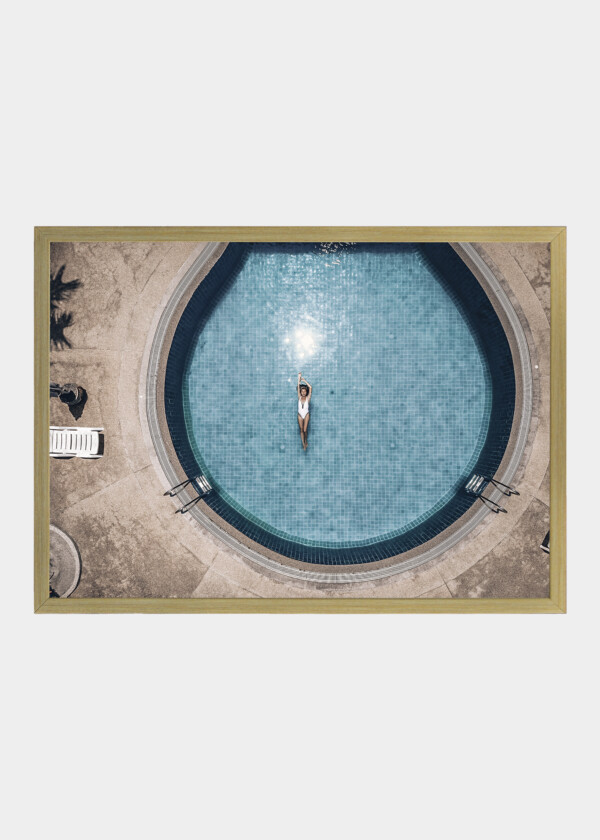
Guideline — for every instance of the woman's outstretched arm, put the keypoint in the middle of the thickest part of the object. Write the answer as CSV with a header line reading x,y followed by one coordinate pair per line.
x,y
298,386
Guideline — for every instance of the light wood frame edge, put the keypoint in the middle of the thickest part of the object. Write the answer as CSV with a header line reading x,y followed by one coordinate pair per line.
x,y
41,378
558,421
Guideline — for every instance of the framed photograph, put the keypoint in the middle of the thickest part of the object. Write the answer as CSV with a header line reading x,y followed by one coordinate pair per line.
x,y
300,419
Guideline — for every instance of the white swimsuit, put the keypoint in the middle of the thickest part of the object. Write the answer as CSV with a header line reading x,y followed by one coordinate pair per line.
x,y
303,408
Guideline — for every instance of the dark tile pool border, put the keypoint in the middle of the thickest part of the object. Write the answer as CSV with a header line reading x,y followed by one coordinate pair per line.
x,y
183,314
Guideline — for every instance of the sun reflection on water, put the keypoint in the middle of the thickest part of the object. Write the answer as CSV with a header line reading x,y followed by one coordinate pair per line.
x,y
302,341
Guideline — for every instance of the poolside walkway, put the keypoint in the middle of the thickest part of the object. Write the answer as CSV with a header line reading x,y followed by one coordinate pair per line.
x,y
131,541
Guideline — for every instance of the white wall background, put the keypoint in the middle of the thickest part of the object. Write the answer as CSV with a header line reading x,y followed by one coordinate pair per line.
x,y
314,113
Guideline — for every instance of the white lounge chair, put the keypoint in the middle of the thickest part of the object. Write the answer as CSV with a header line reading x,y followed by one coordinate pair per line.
x,y
76,442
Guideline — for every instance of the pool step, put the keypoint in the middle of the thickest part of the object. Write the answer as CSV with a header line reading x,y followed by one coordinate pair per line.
x,y
201,485
477,484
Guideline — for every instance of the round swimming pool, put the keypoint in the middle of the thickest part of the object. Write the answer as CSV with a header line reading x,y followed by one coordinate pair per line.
x,y
413,391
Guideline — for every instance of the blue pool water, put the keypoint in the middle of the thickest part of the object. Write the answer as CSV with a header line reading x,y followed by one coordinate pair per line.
x,y
401,402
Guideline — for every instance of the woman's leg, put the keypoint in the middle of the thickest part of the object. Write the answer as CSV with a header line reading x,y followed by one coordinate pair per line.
x,y
305,429
301,424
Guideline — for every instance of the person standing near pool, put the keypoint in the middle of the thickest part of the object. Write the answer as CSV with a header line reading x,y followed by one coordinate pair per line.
x,y
304,395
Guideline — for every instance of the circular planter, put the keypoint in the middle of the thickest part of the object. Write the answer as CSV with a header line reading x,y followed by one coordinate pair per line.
x,y
65,563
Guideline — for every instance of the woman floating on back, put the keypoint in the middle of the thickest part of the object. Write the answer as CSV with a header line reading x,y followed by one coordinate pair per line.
x,y
304,395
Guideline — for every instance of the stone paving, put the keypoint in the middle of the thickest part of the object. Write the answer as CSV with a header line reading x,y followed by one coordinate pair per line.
x,y
131,541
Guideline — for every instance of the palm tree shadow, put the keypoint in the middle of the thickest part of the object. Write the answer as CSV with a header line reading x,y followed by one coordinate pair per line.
x,y
59,321
59,318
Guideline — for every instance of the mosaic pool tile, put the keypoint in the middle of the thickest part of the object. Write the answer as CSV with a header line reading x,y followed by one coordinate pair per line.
x,y
402,395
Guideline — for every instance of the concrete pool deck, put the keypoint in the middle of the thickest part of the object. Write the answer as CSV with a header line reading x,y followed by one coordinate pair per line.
x,y
131,541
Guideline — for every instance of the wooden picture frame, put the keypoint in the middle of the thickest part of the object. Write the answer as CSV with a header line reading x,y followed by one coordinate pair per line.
x,y
554,236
